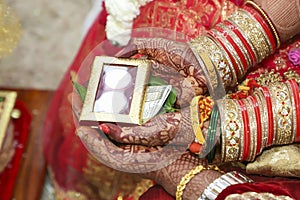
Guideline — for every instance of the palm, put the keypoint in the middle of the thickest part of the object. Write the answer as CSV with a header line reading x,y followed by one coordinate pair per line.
x,y
139,148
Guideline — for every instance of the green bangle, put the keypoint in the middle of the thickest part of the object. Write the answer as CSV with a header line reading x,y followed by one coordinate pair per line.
x,y
211,135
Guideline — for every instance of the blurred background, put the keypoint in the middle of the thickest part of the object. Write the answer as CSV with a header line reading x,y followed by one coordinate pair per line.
x,y
52,33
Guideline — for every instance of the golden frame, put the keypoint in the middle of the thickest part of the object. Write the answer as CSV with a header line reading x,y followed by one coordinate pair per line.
x,y
89,117
5,114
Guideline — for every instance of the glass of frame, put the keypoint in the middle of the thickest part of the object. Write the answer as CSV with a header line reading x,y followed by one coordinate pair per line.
x,y
115,91
7,103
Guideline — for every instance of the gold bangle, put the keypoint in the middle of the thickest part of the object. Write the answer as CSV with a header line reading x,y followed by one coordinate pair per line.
x,y
283,109
239,43
219,58
188,177
258,26
241,72
252,32
267,19
232,130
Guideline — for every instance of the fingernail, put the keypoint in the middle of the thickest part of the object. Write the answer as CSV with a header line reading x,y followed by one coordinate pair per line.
x,y
104,128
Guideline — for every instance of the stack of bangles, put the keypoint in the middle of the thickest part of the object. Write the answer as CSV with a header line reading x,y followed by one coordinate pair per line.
x,y
269,116
247,126
226,53
237,44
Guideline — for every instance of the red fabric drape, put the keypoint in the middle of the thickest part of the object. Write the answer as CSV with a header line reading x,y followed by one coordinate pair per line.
x,y
21,128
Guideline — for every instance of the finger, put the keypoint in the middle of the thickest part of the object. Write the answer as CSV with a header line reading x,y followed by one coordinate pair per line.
x,y
176,56
170,128
128,158
168,52
157,131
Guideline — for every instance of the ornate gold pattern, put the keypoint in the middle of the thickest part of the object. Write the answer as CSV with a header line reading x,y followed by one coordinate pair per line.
x,y
269,77
239,43
264,116
219,58
231,130
254,35
268,21
183,17
294,112
241,72
283,111
291,74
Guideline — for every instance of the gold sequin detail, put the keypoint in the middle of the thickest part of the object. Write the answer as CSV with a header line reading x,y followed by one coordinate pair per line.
x,y
269,77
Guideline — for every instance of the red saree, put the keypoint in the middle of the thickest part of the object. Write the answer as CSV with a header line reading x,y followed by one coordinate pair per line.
x,y
76,175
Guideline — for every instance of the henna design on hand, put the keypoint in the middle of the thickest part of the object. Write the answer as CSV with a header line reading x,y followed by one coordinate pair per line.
x,y
127,158
175,127
175,57
170,176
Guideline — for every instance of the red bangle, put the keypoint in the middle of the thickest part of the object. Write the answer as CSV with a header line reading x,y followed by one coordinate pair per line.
x,y
265,26
244,41
295,90
270,116
236,48
246,129
229,54
258,122
267,20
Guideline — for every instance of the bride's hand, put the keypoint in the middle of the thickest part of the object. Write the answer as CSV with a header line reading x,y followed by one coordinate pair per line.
x,y
169,128
172,61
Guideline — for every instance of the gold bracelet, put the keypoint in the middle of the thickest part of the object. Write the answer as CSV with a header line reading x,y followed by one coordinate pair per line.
x,y
219,58
239,43
267,19
283,108
258,26
241,72
188,177
250,30
232,130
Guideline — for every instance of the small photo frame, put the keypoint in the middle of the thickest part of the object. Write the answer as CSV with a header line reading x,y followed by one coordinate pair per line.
x,y
116,91
7,103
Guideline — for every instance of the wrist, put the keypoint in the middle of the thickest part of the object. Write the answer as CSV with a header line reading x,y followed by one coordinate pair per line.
x,y
193,183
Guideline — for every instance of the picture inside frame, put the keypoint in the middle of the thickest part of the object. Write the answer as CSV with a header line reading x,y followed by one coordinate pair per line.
x,y
115,89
